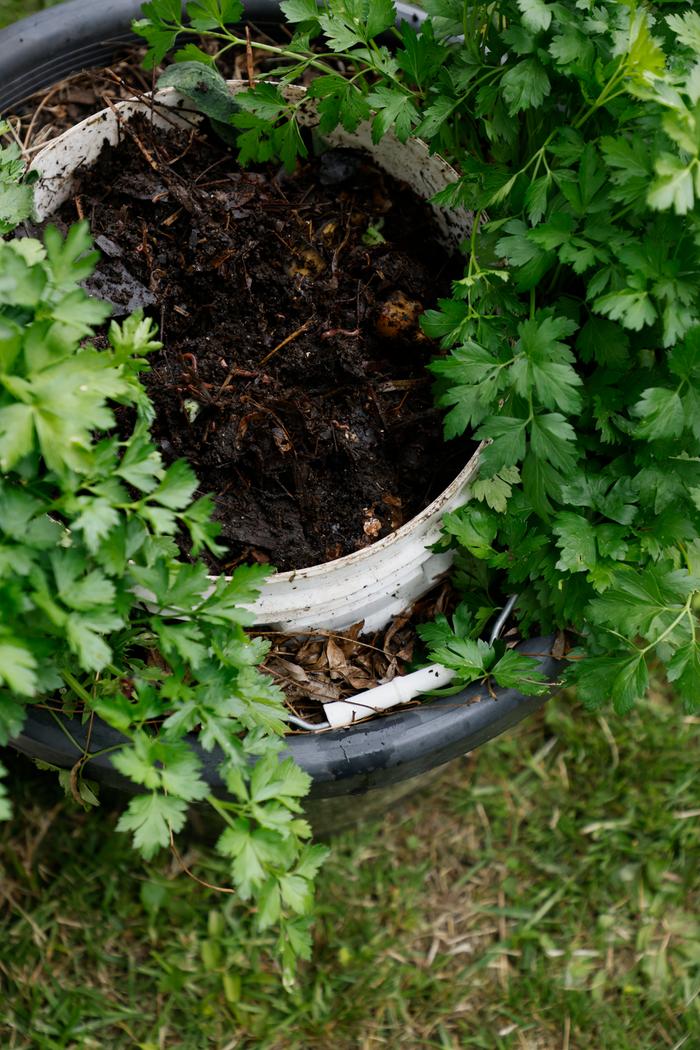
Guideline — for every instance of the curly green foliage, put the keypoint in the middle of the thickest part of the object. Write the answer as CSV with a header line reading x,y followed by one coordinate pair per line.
x,y
579,361
458,646
99,607
572,343
267,122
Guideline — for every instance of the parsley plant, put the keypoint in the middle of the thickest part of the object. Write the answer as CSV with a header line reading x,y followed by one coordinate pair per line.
x,y
572,343
99,609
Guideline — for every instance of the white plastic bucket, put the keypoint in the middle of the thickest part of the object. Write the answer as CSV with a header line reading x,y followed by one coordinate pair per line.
x,y
378,582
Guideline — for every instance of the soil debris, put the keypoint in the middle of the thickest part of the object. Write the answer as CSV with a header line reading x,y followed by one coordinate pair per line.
x,y
318,667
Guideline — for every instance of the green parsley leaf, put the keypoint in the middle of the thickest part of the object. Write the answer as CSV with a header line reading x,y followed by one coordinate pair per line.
x,y
525,85
17,671
537,15
394,111
661,412
497,490
213,14
684,672
468,657
514,670
686,26
474,528
340,102
554,440
12,717
177,487
272,779
152,818
300,10
96,520
507,446
5,808
675,186
576,541
633,308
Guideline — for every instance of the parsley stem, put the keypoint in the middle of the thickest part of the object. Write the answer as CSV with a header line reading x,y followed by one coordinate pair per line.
x,y
604,96
77,688
476,222
616,634
268,48
64,729
104,751
220,808
671,627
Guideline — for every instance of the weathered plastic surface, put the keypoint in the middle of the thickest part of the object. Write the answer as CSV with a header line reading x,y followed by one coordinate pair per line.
x,y
38,51
369,759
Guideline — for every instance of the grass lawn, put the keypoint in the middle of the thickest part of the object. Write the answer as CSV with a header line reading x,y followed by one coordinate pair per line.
x,y
541,895
11,10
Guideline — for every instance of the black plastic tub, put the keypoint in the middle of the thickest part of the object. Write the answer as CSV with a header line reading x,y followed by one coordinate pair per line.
x,y
38,51
356,772
380,760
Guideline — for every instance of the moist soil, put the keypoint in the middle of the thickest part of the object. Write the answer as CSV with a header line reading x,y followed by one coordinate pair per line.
x,y
292,376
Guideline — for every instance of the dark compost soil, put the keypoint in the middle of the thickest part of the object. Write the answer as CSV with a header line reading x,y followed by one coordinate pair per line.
x,y
293,371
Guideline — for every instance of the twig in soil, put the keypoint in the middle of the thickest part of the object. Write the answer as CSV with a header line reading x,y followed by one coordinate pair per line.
x,y
172,218
330,332
223,257
391,386
324,634
13,132
249,58
37,111
260,409
235,373
378,407
146,97
401,403
281,239
132,134
322,698
129,88
185,151
144,248
221,160
338,250
288,339
170,176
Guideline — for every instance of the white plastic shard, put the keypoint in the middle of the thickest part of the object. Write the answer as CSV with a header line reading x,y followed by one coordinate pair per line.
x,y
342,713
